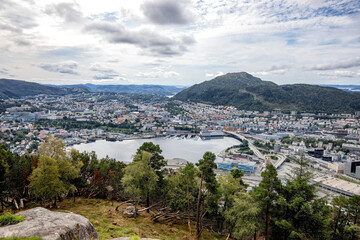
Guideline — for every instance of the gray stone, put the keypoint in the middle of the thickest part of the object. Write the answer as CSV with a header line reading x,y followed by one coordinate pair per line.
x,y
49,225
129,211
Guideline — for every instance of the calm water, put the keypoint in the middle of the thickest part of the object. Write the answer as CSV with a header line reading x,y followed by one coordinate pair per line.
x,y
187,149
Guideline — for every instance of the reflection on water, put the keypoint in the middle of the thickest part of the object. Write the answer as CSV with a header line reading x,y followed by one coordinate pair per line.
x,y
189,149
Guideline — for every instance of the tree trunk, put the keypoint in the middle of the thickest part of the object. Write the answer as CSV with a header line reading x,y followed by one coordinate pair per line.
x,y
55,202
337,221
148,201
188,200
267,222
2,204
198,208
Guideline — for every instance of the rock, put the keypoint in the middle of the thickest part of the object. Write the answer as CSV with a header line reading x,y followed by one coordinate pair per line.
x,y
128,238
48,225
129,211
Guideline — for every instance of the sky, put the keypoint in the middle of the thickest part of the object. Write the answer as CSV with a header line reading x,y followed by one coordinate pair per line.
x,y
179,42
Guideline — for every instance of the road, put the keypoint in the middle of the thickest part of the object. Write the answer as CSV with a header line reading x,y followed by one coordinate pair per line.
x,y
251,146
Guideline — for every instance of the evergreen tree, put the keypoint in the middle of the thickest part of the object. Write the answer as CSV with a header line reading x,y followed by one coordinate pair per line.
x,y
267,194
242,216
206,166
299,214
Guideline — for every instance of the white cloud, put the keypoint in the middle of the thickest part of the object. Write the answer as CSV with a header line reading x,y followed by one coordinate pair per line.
x,y
355,62
213,75
340,74
273,70
200,37
67,67
158,73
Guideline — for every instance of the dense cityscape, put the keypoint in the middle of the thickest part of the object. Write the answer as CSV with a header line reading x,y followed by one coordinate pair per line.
x,y
180,120
329,141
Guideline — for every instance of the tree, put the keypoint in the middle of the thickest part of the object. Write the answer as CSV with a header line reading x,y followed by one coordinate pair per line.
x,y
229,186
139,178
267,194
45,180
189,173
340,217
68,168
299,214
206,166
242,216
2,183
157,163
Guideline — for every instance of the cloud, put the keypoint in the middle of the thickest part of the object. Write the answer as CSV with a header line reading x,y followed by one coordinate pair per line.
x,y
341,74
355,62
67,67
152,42
68,11
213,75
22,42
15,17
166,12
274,70
158,73
4,71
104,72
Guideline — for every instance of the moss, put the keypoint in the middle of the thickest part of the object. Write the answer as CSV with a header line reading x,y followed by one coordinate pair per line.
x,y
8,219
16,238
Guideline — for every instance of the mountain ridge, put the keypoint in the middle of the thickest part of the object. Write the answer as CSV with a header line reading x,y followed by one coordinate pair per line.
x,y
247,92
163,90
10,88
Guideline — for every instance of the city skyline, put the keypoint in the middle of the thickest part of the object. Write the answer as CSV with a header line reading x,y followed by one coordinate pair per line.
x,y
179,42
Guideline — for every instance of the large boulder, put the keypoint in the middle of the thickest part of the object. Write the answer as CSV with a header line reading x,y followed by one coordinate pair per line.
x,y
48,225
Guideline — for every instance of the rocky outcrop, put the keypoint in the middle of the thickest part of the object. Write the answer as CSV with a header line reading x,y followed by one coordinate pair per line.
x,y
48,225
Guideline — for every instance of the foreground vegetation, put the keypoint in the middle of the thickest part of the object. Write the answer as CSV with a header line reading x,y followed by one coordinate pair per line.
x,y
186,204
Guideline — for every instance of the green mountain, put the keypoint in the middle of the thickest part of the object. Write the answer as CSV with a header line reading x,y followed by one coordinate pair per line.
x,y
247,92
15,89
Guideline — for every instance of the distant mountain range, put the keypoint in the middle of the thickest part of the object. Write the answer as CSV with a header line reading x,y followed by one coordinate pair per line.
x,y
162,90
247,92
16,89
347,88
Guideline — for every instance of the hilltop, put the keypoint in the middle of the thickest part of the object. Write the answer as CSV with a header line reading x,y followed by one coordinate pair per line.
x,y
10,88
247,92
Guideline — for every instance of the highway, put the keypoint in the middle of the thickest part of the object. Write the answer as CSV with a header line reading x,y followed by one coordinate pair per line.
x,y
251,146
280,161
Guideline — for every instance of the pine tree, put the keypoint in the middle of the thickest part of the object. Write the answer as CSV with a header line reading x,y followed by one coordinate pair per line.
x,y
267,194
206,166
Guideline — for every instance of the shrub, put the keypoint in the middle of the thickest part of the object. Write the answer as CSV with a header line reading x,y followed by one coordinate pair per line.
x,y
8,219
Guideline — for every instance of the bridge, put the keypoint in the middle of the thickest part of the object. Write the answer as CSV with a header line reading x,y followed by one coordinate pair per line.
x,y
280,161
251,146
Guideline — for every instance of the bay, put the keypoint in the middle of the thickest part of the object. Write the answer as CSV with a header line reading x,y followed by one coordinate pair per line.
x,y
189,149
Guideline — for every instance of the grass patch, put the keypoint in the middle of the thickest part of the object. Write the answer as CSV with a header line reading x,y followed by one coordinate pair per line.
x,y
16,238
347,179
8,219
112,224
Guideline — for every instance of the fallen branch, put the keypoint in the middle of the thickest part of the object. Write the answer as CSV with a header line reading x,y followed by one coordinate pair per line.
x,y
128,201
144,209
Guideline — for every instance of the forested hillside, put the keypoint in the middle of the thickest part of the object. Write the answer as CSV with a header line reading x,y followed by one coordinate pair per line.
x,y
247,92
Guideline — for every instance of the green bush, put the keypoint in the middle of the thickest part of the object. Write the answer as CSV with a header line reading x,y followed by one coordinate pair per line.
x,y
8,219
